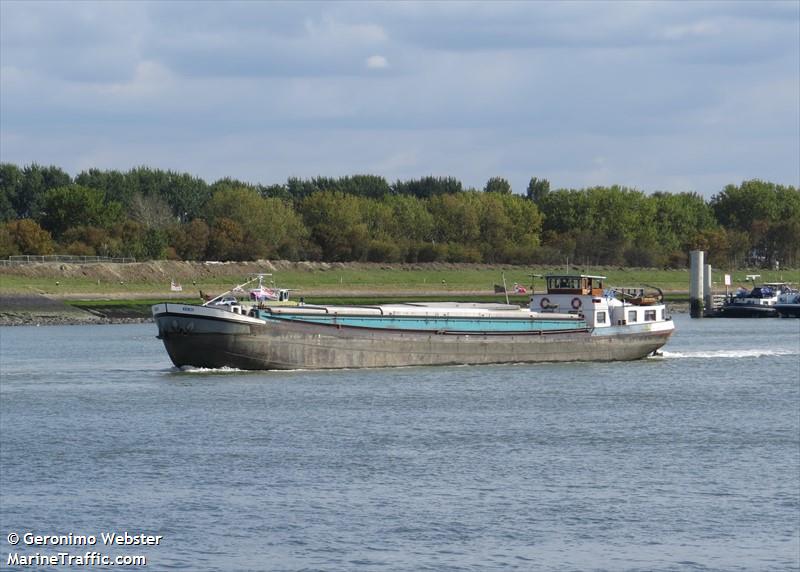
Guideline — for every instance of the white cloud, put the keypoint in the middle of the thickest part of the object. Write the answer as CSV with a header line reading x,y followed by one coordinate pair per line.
x,y
693,30
377,62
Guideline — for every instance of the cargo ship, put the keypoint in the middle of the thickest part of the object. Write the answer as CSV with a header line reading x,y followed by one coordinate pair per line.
x,y
574,319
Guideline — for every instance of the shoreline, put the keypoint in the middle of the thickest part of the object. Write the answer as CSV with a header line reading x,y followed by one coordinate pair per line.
x,y
19,320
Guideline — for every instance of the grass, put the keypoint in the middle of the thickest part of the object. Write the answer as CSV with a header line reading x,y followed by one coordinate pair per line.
x,y
339,282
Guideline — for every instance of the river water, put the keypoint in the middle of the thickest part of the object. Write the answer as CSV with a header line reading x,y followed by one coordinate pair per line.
x,y
690,461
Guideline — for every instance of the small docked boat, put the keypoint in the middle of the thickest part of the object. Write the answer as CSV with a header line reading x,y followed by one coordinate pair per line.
x,y
576,319
262,293
756,303
788,303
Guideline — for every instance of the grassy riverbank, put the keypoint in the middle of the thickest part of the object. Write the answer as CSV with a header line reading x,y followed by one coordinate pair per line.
x,y
67,293
152,279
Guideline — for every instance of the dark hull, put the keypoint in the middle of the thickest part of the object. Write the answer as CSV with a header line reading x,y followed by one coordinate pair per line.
x,y
747,311
215,343
788,310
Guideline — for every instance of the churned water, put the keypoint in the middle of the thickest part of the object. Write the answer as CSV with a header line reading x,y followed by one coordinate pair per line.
x,y
690,461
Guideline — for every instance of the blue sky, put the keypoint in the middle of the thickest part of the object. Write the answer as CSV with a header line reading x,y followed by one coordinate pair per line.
x,y
676,96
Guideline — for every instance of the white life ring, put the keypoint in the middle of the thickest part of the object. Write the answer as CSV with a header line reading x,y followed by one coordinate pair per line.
x,y
544,303
576,303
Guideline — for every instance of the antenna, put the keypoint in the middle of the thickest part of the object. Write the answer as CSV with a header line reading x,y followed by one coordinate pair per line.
x,y
533,280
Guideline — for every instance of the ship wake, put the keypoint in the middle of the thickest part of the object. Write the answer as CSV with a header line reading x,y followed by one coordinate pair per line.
x,y
217,370
728,354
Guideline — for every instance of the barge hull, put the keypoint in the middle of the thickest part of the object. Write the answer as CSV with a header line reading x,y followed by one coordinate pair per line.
x,y
213,344
748,311
788,310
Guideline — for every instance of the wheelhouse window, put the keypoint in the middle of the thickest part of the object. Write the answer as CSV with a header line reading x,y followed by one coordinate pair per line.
x,y
563,283
601,318
631,316
649,315
580,285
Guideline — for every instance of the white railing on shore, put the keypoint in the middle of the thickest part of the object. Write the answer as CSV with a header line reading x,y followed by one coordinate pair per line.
x,y
72,259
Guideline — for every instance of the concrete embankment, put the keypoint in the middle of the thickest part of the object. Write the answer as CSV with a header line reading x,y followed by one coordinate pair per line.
x,y
36,309
32,309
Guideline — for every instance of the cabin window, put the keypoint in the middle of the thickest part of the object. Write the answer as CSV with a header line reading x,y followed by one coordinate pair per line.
x,y
601,318
631,316
649,315
564,283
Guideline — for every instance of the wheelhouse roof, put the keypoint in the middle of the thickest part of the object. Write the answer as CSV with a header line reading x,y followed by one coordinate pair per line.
x,y
574,276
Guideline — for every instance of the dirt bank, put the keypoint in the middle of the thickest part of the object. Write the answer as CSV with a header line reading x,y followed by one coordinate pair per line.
x,y
158,271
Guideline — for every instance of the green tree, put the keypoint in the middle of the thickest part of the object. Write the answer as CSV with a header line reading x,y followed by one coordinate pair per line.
x,y
335,222
276,192
299,189
367,186
116,186
410,219
74,205
565,211
495,228
428,187
10,182
370,186
537,189
740,206
764,211
603,223
677,219
155,243
498,185
270,226
783,242
28,201
521,223
457,217
377,215
186,195
129,239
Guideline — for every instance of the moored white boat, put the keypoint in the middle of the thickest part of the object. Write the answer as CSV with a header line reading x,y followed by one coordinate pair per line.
x,y
788,303
575,320
760,302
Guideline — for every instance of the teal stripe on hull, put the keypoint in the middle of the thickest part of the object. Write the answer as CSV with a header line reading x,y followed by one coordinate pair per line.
x,y
492,325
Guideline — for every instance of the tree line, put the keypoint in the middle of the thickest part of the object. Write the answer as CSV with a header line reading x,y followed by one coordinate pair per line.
x,y
153,214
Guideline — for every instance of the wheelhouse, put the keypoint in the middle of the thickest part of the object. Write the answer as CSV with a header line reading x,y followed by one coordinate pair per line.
x,y
580,285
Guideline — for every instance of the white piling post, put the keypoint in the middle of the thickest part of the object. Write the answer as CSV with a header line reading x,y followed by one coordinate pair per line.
x,y
696,283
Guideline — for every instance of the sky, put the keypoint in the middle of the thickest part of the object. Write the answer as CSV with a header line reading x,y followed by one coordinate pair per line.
x,y
658,96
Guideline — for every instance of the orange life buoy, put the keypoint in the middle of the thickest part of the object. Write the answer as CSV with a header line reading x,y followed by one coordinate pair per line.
x,y
576,303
